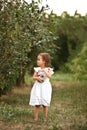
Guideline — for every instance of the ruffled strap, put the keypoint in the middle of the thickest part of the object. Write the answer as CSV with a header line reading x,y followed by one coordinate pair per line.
x,y
36,69
51,69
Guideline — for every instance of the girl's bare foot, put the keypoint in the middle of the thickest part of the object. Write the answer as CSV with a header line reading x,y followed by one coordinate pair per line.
x,y
35,119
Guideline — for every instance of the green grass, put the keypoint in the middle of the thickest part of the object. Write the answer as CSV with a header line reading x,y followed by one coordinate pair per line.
x,y
68,109
59,76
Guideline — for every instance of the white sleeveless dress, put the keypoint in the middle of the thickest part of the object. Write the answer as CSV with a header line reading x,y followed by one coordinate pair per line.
x,y
41,91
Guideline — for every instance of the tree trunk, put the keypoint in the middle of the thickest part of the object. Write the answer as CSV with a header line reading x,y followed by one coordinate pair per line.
x,y
20,80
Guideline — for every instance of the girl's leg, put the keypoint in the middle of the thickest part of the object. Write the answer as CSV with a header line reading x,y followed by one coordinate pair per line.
x,y
45,111
36,111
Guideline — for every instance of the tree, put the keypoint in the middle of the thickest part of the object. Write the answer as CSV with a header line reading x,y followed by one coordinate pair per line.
x,y
71,34
22,30
79,64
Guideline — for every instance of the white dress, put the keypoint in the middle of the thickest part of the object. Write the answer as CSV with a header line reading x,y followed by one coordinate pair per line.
x,y
41,91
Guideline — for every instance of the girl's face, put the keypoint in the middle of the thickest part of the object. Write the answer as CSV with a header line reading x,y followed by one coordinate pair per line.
x,y
40,61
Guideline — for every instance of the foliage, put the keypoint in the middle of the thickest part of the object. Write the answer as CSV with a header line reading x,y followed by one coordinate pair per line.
x,y
22,34
79,65
71,33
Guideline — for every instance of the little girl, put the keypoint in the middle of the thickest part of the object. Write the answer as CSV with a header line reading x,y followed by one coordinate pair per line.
x,y
42,90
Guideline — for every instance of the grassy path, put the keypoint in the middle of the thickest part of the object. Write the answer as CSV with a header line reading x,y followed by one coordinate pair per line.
x,y
68,109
